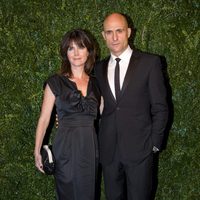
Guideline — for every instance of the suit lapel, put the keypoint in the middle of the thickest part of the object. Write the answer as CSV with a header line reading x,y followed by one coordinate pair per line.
x,y
105,76
130,71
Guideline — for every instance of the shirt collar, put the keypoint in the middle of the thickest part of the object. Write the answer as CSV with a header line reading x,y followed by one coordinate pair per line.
x,y
125,56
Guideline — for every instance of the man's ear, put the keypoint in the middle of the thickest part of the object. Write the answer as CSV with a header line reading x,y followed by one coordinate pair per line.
x,y
103,34
129,32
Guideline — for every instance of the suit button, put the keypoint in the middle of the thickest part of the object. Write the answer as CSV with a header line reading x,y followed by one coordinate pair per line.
x,y
118,108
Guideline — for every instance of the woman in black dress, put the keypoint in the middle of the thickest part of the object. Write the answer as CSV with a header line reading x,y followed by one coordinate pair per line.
x,y
76,96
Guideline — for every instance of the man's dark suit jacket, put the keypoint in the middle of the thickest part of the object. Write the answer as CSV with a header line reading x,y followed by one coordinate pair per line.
x,y
137,122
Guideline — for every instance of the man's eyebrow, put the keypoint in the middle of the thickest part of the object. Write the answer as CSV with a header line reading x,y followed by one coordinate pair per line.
x,y
119,29
111,30
115,28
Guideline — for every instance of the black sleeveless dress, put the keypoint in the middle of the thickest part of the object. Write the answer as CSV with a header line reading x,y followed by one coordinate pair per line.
x,y
75,143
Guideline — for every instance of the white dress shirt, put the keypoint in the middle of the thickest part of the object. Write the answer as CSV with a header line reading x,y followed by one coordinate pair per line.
x,y
123,66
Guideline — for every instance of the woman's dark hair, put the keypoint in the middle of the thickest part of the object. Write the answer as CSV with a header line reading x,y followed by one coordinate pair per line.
x,y
82,39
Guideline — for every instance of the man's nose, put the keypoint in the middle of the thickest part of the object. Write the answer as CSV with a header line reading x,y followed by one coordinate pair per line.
x,y
115,36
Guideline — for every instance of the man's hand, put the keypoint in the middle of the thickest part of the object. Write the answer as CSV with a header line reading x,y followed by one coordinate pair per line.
x,y
155,149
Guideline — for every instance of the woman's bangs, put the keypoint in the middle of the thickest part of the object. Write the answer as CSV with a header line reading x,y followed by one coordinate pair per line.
x,y
78,40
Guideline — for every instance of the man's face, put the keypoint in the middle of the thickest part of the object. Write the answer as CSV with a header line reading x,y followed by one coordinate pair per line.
x,y
116,33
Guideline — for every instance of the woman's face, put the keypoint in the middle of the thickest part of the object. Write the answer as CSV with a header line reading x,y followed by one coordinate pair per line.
x,y
77,55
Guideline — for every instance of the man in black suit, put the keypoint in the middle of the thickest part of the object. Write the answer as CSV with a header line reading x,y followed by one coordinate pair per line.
x,y
134,116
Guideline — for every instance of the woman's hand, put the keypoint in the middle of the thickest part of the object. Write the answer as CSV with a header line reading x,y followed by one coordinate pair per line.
x,y
38,162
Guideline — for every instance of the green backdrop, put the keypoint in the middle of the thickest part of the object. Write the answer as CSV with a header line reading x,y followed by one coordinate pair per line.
x,y
30,33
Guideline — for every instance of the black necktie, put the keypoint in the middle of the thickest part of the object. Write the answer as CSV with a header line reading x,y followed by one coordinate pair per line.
x,y
117,83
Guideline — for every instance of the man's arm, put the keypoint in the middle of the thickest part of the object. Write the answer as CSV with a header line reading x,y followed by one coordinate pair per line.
x,y
159,107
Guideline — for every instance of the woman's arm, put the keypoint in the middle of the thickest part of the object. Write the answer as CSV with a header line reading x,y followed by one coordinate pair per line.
x,y
43,122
